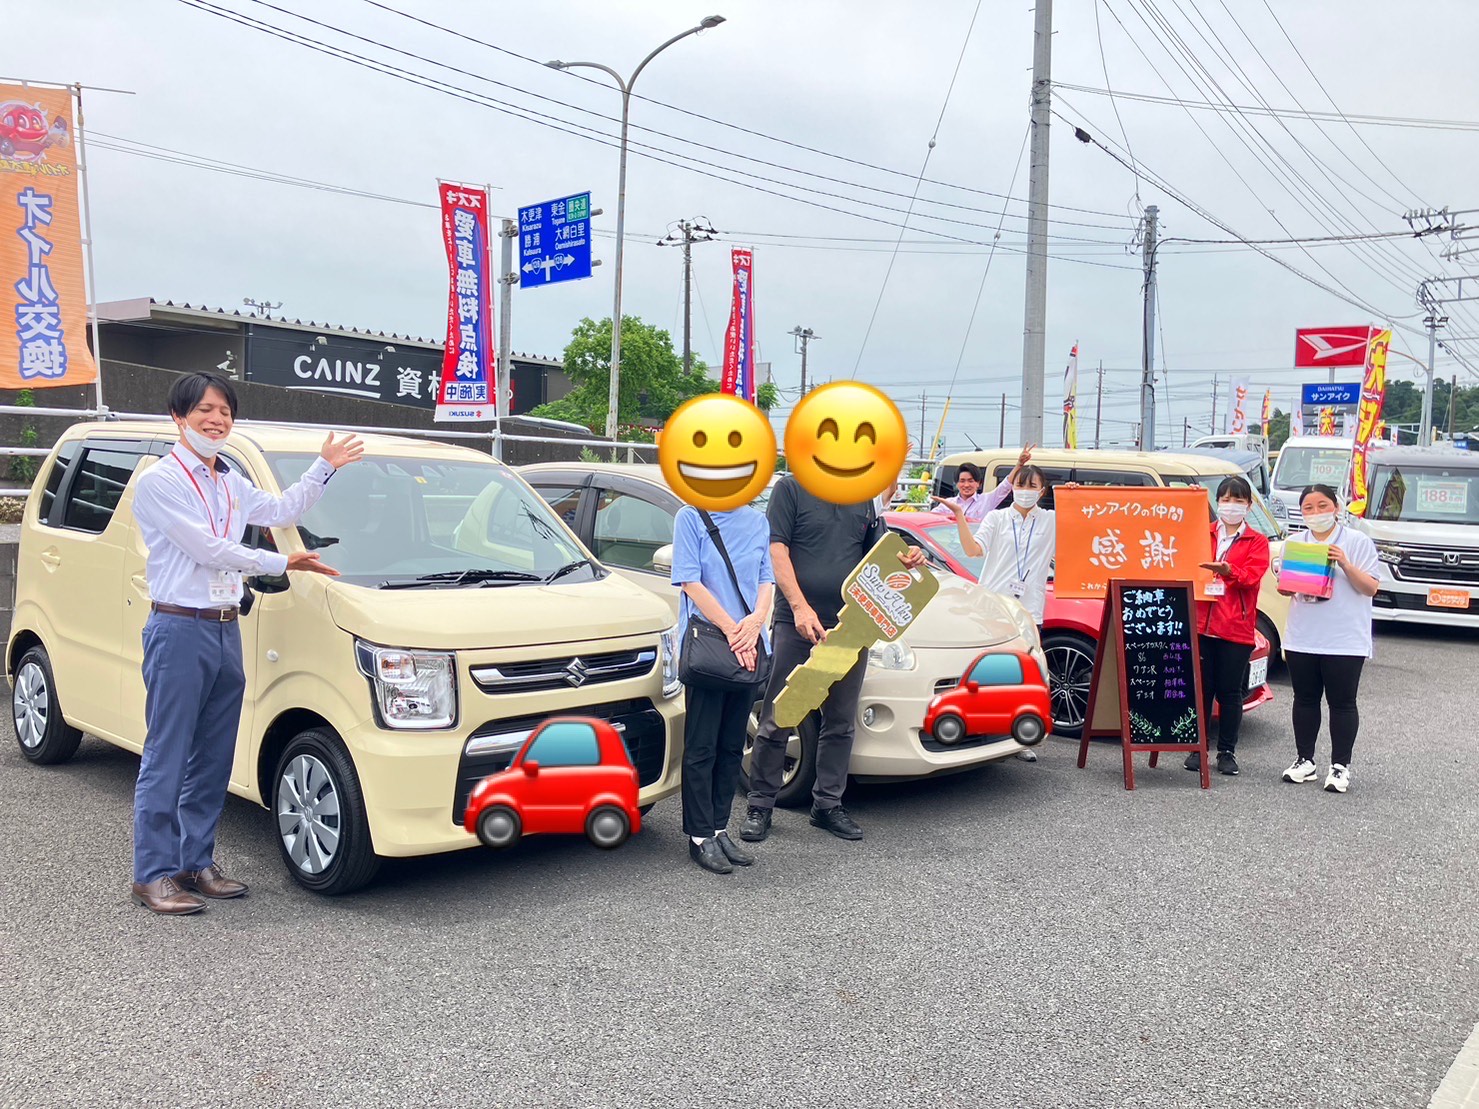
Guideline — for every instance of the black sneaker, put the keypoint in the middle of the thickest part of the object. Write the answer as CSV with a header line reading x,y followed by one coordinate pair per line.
x,y
837,822
1194,761
1226,764
757,824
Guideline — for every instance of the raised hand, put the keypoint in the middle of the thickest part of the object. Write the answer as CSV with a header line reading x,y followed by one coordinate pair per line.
x,y
341,452
1026,455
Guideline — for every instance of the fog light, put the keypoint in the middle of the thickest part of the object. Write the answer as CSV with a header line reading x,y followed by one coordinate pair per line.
x,y
869,716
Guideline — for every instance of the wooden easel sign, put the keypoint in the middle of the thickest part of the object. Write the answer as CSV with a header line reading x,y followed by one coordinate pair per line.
x,y
1147,684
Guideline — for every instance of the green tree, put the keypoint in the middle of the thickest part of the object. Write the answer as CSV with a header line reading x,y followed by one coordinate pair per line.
x,y
767,396
652,384
23,467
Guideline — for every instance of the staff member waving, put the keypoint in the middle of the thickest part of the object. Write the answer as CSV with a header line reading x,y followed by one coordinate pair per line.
x,y
192,513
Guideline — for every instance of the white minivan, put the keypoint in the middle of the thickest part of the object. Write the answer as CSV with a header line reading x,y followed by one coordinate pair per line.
x,y
1424,519
1309,460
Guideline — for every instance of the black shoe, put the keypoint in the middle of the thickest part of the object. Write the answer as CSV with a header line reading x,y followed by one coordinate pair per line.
x,y
757,824
1194,761
837,822
1226,764
709,855
732,850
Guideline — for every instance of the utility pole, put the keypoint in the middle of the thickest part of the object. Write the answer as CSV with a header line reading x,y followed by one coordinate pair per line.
x,y
688,233
1034,329
1452,397
1147,346
1002,435
1185,431
1214,404
504,381
803,335
1099,404
922,398
1425,428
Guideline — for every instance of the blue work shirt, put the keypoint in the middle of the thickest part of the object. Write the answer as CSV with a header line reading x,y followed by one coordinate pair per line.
x,y
695,558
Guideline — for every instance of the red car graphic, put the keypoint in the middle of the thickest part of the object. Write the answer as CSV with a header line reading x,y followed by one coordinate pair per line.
x,y
23,133
573,775
1001,693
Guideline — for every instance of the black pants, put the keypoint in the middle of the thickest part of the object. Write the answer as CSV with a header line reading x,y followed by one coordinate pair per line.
x,y
834,740
1337,678
713,744
1224,677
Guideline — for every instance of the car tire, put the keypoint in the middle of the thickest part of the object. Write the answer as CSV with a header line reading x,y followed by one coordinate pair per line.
x,y
643,810
949,729
1070,659
44,736
499,827
1028,729
800,775
607,827
323,832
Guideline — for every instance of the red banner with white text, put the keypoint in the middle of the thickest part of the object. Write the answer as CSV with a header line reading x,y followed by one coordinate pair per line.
x,y
738,375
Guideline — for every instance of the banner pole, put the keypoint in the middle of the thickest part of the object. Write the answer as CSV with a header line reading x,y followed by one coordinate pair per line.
x,y
92,273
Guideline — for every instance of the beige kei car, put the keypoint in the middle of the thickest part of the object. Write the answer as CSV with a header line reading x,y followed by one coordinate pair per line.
x,y
466,614
624,513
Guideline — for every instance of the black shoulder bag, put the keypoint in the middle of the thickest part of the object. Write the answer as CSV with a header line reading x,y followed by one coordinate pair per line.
x,y
705,660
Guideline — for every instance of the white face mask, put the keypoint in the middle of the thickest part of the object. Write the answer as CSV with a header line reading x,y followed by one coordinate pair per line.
x,y
203,445
1026,498
1232,513
1320,522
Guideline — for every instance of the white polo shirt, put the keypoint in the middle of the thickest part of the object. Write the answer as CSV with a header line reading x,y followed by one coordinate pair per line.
x,y
1340,625
1019,550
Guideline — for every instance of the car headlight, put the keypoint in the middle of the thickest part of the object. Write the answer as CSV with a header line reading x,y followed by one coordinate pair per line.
x,y
1280,509
891,656
413,689
1389,553
671,686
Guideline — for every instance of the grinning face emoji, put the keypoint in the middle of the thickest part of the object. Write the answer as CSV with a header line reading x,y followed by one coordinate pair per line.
x,y
846,442
717,452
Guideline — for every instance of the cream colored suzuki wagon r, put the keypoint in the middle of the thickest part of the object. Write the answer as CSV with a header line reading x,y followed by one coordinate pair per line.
x,y
466,613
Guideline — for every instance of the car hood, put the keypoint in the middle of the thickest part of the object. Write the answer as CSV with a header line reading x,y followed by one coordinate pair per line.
x,y
962,614
1421,535
472,617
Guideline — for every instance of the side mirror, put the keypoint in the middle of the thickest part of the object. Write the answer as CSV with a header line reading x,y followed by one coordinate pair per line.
x,y
268,583
531,768
973,687
662,559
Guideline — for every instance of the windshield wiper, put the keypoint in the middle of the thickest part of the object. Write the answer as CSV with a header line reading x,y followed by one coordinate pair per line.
x,y
571,567
459,577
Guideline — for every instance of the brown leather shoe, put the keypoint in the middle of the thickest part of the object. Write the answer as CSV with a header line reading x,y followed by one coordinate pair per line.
x,y
163,896
211,882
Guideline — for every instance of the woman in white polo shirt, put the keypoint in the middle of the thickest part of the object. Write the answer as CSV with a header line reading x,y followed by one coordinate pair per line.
x,y
1328,641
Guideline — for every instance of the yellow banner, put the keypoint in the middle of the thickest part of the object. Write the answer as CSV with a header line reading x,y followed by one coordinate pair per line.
x,y
1373,393
43,310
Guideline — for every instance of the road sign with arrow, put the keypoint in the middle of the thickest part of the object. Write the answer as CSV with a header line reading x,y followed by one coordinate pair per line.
x,y
555,241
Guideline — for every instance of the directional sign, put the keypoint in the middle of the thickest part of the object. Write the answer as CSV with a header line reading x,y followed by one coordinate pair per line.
x,y
555,241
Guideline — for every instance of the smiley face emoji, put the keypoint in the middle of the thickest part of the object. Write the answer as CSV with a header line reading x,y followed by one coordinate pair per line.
x,y
846,442
717,452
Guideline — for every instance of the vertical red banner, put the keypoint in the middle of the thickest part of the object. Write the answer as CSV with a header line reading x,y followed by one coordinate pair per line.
x,y
468,359
738,376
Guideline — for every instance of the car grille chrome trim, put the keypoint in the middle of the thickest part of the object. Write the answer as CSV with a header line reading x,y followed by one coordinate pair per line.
x,y
1438,565
567,672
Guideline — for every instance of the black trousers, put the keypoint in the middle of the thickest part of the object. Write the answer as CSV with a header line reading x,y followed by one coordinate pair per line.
x,y
713,744
1224,670
1337,678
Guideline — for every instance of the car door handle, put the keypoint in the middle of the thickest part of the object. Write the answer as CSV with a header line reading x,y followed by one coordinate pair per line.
x,y
140,583
51,559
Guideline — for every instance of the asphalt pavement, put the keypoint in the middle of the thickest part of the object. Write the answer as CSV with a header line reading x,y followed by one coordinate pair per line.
x,y
1022,935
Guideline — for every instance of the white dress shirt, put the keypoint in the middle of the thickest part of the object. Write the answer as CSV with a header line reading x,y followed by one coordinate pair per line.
x,y
193,523
1019,550
978,505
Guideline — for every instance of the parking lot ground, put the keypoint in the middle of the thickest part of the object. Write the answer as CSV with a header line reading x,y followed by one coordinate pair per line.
x,y
1023,935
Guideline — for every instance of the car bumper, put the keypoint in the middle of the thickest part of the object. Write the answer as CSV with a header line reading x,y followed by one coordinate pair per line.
x,y
1407,603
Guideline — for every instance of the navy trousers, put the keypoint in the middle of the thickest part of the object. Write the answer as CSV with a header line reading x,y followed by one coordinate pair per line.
x,y
193,685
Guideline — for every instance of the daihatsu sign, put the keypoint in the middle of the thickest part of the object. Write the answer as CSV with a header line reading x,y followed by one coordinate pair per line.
x,y
1322,347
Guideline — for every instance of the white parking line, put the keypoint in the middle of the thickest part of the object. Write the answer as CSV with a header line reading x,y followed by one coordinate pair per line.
x,y
1460,1086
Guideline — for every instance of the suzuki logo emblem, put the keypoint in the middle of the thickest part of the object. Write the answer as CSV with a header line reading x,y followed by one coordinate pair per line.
x,y
575,673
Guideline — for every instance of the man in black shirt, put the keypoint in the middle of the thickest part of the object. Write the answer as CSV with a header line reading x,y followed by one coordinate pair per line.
x,y
814,545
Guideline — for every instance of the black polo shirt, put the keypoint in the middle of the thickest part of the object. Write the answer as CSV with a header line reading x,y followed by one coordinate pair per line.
x,y
826,542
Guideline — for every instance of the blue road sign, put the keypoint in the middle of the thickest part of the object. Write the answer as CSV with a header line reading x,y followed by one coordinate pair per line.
x,y
1337,394
555,241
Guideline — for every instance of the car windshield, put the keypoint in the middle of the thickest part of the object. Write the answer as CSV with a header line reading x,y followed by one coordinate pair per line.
x,y
1429,494
1301,466
396,520
948,537
1258,514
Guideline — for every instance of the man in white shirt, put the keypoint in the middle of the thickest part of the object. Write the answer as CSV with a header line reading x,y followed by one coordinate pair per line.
x,y
192,512
976,504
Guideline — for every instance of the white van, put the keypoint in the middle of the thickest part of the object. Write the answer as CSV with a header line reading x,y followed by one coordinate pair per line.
x,y
1424,519
1309,460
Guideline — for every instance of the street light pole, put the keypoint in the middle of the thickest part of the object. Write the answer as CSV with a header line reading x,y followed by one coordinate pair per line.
x,y
621,196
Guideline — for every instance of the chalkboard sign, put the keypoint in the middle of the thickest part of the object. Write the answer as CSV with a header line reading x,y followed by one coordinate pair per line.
x,y
1146,688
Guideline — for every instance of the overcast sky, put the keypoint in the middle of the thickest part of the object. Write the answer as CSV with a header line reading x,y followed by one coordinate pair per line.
x,y
863,81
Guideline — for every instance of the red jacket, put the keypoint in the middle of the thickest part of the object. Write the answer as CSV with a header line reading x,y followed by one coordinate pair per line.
x,y
1234,615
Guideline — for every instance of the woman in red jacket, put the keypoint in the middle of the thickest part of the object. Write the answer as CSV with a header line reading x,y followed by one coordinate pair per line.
x,y
1226,622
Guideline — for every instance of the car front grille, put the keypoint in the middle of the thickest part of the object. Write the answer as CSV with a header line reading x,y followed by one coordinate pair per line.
x,y
1437,565
494,745
565,672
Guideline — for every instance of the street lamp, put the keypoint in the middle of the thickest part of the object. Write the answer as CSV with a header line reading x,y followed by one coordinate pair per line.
x,y
621,194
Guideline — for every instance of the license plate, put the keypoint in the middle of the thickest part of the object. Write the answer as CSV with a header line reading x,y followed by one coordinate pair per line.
x,y
1257,673
1448,598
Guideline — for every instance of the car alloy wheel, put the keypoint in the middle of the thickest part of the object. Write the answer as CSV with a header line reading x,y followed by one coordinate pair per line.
x,y
31,705
308,814
499,827
1070,675
949,730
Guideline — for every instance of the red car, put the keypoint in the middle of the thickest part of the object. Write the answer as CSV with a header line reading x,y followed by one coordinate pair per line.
x,y
572,775
1002,692
1070,633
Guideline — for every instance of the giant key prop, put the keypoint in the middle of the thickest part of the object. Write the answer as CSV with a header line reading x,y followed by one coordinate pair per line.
x,y
879,600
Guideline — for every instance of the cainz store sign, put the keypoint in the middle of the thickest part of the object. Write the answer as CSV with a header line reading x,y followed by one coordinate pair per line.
x,y
371,369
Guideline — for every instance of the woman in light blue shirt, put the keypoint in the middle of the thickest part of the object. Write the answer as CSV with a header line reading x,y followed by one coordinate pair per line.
x,y
716,720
